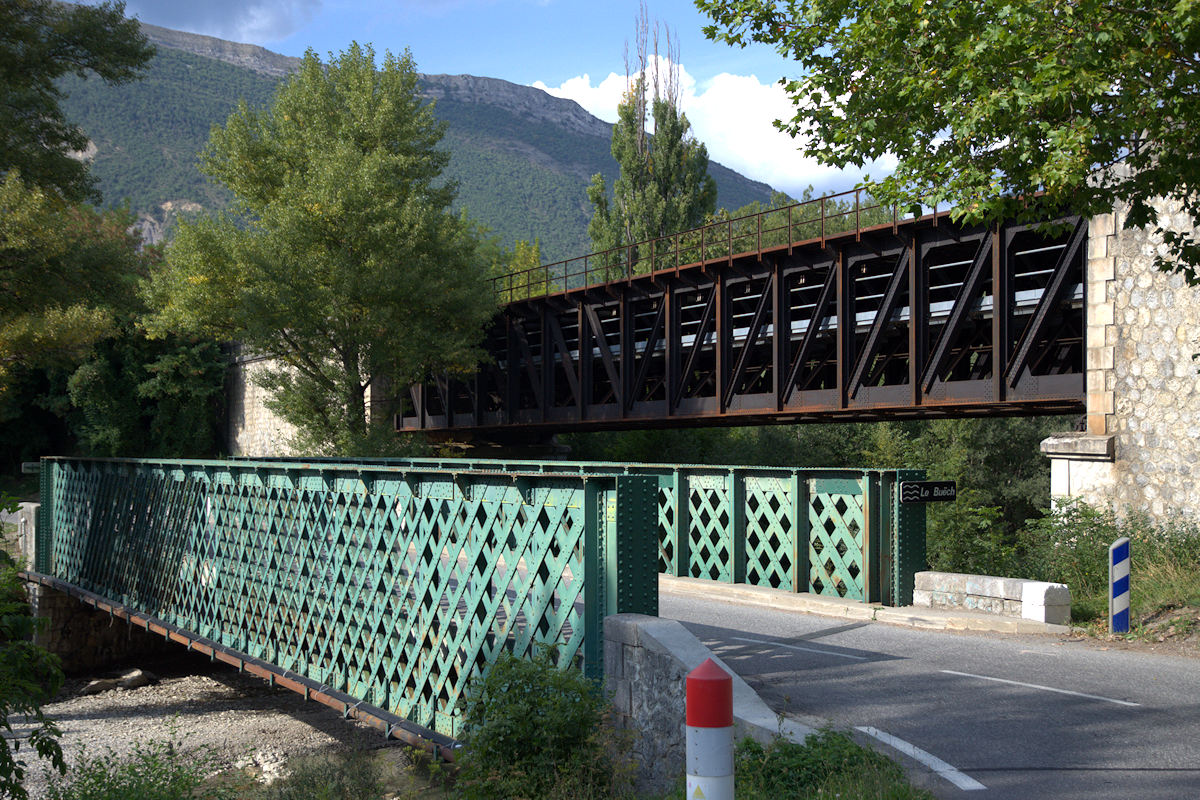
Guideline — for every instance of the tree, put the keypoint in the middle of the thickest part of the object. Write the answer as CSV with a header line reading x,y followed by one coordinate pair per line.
x,y
664,185
62,268
43,41
986,103
343,262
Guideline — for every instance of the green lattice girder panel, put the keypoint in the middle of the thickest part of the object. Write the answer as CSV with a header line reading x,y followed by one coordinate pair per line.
x,y
398,586
710,527
771,529
745,534
837,538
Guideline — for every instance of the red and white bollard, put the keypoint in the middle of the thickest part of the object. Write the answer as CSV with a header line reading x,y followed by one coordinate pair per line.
x,y
709,733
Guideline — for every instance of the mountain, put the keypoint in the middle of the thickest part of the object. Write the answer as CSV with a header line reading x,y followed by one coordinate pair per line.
x,y
522,157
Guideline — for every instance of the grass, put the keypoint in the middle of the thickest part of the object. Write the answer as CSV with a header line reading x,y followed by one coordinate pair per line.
x,y
1071,546
828,765
165,770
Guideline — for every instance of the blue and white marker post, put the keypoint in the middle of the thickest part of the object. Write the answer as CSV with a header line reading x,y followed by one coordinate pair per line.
x,y
1118,586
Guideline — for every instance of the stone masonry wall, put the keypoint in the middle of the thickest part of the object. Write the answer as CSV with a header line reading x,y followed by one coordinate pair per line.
x,y
254,430
86,639
82,637
648,688
1143,327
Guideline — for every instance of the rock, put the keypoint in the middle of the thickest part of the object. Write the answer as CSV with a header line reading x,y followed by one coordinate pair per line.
x,y
135,678
98,686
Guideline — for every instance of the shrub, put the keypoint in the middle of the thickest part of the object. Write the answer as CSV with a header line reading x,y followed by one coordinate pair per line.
x,y
155,771
532,730
29,676
1069,544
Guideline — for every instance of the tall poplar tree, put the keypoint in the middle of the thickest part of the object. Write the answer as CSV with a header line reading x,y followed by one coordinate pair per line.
x,y
664,185
343,261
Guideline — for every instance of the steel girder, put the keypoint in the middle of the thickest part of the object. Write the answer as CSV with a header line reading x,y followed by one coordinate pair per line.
x,y
921,318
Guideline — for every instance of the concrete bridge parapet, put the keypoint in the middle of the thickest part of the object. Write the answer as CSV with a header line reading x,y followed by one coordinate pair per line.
x,y
1141,445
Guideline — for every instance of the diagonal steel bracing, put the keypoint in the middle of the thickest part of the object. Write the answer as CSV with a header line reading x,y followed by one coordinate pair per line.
x,y
915,318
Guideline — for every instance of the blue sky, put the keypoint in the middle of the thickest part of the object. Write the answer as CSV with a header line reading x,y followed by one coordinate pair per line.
x,y
570,48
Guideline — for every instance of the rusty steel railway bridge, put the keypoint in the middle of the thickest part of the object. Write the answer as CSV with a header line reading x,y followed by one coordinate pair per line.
x,y
826,310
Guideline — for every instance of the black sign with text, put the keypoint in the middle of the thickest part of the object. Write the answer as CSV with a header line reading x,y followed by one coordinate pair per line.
x,y
928,491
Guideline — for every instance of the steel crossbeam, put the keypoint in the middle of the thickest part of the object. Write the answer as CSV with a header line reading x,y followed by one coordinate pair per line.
x,y
918,318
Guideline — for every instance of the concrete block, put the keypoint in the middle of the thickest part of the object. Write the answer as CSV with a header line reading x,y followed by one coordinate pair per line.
x,y
1097,291
986,604
1100,402
1101,357
1101,225
614,660
1097,248
27,532
982,585
1053,615
1012,588
623,628
1101,264
621,699
1100,314
1045,594
1079,446
941,581
922,598
631,661
1097,424
947,599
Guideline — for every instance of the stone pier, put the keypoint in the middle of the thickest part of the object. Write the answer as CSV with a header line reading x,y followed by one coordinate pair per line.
x,y
1141,446
82,637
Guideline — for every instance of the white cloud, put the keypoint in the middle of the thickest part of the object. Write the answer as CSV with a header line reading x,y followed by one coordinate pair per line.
x,y
239,20
733,116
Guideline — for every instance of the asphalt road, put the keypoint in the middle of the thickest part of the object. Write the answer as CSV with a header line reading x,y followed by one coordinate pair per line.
x,y
981,715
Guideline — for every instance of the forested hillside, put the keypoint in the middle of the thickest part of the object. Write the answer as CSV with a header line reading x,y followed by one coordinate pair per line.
x,y
521,157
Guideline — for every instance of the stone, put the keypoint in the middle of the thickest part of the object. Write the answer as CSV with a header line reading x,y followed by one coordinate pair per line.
x,y
135,678
99,685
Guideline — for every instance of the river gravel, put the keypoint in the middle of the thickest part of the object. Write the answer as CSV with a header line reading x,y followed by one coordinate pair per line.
x,y
235,718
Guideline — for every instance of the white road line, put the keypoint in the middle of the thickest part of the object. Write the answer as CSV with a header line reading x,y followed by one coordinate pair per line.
x,y
1043,688
959,779
801,649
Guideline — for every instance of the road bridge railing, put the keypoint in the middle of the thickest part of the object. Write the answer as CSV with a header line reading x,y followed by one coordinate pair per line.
x,y
722,239
397,585
836,532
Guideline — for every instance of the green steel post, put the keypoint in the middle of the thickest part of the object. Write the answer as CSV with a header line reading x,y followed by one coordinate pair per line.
x,y
887,537
800,533
870,534
44,538
909,556
737,510
597,504
631,580
683,525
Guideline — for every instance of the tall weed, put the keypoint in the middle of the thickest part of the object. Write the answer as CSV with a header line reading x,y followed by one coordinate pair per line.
x,y
1069,544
